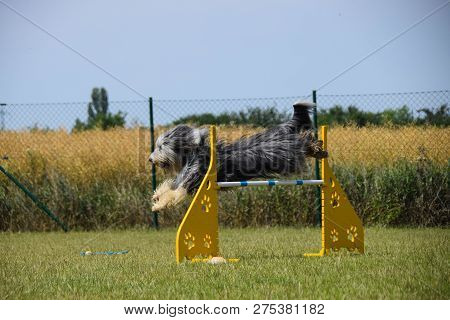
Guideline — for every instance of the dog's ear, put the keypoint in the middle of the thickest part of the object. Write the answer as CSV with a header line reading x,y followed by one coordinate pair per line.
x,y
199,135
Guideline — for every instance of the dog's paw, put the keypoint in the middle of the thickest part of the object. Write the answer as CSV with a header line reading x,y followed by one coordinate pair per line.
x,y
169,199
322,154
157,206
162,188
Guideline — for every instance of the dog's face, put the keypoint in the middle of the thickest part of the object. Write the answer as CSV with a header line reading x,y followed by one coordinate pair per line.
x,y
173,146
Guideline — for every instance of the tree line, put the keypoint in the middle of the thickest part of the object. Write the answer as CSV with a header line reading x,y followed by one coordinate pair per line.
x,y
99,116
337,115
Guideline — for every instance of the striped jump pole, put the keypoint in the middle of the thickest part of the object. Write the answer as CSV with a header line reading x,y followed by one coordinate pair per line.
x,y
269,183
198,235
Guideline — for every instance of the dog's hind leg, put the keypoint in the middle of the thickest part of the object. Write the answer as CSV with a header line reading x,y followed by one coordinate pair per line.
x,y
313,146
315,150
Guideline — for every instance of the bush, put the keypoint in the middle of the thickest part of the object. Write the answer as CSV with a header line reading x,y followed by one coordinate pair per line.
x,y
408,193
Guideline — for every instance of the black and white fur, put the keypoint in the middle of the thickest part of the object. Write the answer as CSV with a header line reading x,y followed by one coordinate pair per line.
x,y
278,151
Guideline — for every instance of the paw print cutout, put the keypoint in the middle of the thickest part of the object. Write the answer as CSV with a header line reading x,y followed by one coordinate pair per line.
x,y
332,183
352,233
335,199
334,235
206,203
189,240
207,242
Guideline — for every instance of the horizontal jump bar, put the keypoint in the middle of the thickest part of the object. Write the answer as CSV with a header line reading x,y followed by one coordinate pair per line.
x,y
269,183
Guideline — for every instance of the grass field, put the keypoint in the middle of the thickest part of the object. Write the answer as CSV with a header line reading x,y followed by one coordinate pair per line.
x,y
398,264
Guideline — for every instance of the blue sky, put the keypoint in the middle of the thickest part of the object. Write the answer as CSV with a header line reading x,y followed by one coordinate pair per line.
x,y
219,49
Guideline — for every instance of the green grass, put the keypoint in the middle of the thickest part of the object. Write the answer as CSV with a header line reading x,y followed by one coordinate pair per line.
x,y
398,264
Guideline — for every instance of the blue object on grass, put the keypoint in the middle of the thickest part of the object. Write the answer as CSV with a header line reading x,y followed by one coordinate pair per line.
x,y
106,253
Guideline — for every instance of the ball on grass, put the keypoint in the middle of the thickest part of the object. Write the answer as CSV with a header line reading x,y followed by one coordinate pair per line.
x,y
217,260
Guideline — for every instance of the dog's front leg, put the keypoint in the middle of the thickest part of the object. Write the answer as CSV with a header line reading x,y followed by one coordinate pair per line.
x,y
165,186
169,198
172,192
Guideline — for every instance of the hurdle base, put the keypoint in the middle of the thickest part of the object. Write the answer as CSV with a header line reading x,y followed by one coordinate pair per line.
x,y
321,253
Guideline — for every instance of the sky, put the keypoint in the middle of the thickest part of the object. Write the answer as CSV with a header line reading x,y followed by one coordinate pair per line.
x,y
201,49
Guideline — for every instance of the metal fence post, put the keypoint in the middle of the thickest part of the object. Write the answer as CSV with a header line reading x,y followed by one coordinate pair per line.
x,y
318,213
35,199
152,148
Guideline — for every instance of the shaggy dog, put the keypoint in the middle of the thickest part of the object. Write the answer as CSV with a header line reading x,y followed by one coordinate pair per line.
x,y
278,151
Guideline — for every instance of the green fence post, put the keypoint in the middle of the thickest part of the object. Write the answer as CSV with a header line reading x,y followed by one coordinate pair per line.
x,y
152,148
35,199
318,213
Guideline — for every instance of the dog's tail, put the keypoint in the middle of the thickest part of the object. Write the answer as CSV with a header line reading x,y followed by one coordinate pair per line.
x,y
301,119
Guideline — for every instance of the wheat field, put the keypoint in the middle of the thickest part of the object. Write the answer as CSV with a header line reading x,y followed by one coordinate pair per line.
x,y
79,156
375,145
115,154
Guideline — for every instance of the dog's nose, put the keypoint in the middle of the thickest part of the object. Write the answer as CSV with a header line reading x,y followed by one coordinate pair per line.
x,y
152,160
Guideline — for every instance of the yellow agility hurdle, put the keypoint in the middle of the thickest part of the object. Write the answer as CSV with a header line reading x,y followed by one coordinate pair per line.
x,y
198,235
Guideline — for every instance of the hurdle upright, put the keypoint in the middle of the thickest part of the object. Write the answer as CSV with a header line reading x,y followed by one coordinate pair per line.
x,y
198,235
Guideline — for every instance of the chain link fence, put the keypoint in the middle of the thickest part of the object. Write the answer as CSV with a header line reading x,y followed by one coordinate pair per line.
x,y
373,128
385,128
90,179
98,178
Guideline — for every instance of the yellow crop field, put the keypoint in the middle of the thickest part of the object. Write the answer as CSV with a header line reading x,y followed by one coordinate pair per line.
x,y
376,145
116,153
78,156
382,146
